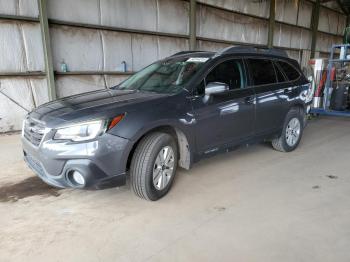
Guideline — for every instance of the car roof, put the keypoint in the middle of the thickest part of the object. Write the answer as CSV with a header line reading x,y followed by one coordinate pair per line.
x,y
236,50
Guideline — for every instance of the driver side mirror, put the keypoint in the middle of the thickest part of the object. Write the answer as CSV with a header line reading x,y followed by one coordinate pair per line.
x,y
215,88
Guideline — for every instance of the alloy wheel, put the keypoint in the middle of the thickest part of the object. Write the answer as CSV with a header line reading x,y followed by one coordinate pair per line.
x,y
163,167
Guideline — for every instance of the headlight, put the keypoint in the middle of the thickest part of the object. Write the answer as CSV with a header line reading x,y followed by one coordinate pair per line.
x,y
82,131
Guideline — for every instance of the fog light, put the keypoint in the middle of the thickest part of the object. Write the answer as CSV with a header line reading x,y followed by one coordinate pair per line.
x,y
78,178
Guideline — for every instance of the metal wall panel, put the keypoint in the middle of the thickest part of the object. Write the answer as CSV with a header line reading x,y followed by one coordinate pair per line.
x,y
173,16
328,21
39,90
169,46
19,7
153,15
258,8
305,14
292,37
130,14
82,11
80,49
141,43
300,38
28,93
72,85
286,11
211,46
305,57
324,41
112,80
105,50
19,47
116,49
341,24
224,25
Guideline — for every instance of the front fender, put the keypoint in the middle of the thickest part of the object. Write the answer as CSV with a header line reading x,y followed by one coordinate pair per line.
x,y
175,113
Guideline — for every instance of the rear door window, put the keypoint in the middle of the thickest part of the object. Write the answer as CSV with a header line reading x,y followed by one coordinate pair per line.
x,y
280,76
262,71
289,70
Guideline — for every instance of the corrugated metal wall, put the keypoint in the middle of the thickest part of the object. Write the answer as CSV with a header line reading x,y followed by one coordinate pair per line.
x,y
97,35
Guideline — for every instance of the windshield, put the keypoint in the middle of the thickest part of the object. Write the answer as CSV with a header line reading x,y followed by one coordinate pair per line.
x,y
167,76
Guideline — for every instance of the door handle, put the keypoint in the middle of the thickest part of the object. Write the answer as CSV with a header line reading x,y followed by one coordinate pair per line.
x,y
288,90
249,100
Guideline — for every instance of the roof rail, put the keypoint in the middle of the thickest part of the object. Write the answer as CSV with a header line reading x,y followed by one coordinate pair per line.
x,y
252,49
186,52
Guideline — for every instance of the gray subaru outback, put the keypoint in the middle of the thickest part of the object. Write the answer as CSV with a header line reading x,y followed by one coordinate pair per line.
x,y
172,113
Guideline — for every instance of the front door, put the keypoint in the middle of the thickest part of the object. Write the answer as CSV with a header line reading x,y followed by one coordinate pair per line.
x,y
225,119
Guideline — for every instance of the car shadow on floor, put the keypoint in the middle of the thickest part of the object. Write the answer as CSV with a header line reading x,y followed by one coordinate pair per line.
x,y
31,186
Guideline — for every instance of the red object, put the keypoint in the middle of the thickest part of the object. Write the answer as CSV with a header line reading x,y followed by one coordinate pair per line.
x,y
321,84
115,121
333,74
323,81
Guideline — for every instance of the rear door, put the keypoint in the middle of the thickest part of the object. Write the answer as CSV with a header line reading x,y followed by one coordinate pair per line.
x,y
268,85
292,85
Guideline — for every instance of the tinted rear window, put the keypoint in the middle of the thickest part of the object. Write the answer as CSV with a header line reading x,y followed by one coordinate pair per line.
x,y
280,76
262,71
289,70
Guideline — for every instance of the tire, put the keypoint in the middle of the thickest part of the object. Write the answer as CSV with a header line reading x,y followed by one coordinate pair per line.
x,y
287,141
147,164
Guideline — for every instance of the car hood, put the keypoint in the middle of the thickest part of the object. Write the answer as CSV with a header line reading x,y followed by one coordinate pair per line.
x,y
105,103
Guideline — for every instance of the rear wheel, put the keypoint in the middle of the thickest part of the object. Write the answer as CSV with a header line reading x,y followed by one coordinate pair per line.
x,y
153,166
292,131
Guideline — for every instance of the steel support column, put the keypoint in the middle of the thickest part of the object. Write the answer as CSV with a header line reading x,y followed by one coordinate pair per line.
x,y
271,23
193,27
45,35
314,26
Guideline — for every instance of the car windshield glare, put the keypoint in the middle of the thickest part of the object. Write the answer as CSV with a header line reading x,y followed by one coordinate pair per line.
x,y
166,76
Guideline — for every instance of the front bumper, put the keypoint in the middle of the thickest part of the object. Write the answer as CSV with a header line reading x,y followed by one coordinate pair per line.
x,y
102,162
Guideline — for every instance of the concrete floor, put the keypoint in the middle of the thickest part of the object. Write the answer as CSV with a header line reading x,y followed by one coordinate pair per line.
x,y
254,204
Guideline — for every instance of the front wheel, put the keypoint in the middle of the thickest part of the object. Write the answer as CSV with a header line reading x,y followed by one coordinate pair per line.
x,y
153,166
292,131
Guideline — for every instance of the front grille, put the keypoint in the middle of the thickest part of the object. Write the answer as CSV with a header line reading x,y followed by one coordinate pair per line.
x,y
33,131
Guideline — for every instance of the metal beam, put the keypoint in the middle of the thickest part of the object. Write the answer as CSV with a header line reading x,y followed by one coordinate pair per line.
x,y
193,26
18,18
88,73
114,29
271,23
231,11
314,26
22,74
45,35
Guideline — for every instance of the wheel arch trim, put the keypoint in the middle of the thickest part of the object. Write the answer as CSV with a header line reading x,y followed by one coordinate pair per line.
x,y
185,144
